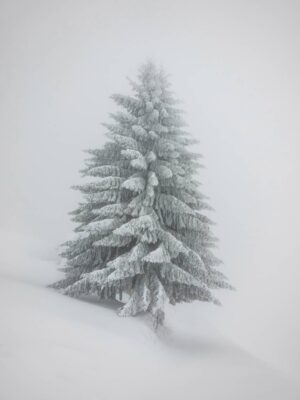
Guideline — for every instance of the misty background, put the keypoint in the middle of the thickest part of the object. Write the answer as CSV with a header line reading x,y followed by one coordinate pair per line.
x,y
235,66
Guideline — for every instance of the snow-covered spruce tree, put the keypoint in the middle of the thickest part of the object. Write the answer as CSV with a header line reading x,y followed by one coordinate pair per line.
x,y
142,236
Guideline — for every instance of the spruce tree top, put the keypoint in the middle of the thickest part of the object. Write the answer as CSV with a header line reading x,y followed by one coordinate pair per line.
x,y
143,238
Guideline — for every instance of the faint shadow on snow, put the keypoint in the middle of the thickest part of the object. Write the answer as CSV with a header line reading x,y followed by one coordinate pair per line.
x,y
184,343
108,304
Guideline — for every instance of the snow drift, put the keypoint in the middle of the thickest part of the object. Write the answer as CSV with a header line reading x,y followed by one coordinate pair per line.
x,y
56,347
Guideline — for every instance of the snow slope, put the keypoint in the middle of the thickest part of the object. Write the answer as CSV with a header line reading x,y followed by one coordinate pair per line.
x,y
55,347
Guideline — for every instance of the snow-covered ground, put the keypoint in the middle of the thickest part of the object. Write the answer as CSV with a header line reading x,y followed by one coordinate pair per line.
x,y
54,347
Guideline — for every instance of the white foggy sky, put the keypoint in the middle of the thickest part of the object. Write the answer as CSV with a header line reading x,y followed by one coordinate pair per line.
x,y
235,66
